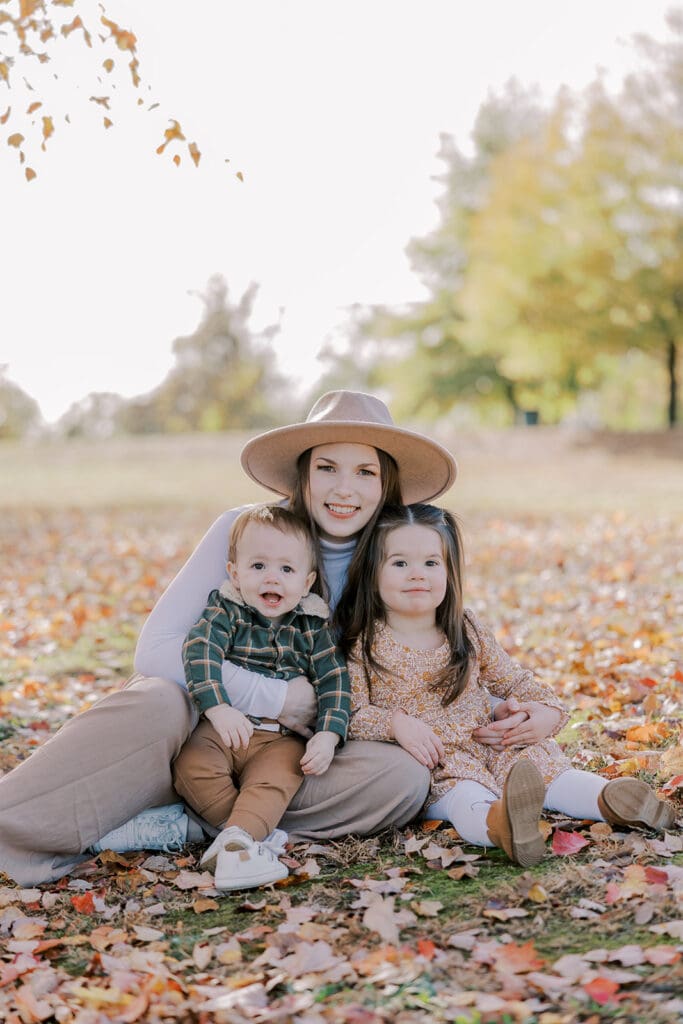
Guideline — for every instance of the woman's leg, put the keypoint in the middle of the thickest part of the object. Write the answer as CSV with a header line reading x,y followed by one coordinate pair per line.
x,y
369,786
102,768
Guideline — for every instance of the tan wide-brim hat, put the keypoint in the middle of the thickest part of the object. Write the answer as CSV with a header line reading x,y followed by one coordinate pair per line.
x,y
426,469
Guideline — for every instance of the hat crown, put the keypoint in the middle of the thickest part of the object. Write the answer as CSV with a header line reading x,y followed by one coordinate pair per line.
x,y
349,407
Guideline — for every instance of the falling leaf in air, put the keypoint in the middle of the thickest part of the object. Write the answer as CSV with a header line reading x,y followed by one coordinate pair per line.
x,y
15,140
194,153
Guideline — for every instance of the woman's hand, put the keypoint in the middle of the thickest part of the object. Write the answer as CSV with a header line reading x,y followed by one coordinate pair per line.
x,y
518,724
417,738
232,726
319,753
300,706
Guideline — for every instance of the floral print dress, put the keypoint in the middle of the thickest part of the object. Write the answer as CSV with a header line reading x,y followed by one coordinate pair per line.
x,y
406,686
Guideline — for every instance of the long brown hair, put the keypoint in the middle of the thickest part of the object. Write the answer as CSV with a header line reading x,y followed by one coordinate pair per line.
x,y
360,608
299,505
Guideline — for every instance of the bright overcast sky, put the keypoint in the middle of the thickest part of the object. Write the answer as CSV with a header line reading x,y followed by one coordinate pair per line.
x,y
332,110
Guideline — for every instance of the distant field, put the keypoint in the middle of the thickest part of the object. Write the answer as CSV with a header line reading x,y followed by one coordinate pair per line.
x,y
540,470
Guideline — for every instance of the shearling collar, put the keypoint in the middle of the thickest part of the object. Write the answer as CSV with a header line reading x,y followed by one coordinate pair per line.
x,y
312,604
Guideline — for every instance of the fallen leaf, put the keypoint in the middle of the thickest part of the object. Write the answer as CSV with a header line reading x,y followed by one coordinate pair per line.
x,y
566,844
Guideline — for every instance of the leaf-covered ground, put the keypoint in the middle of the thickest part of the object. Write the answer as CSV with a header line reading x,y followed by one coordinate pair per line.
x,y
410,926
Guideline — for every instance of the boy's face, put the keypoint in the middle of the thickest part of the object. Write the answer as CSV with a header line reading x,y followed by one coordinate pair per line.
x,y
272,570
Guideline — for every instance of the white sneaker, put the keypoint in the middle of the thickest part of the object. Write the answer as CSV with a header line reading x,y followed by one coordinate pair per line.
x,y
240,862
157,828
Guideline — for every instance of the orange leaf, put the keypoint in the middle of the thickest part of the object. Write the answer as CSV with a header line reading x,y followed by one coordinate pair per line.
x,y
30,174
107,122
5,116
15,140
194,153
565,844
108,64
4,70
176,160
426,948
124,40
84,903
33,107
514,959
654,731
601,990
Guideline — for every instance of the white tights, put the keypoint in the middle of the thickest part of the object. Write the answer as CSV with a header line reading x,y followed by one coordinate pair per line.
x,y
466,805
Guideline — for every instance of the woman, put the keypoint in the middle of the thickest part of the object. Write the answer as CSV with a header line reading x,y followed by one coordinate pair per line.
x,y
110,763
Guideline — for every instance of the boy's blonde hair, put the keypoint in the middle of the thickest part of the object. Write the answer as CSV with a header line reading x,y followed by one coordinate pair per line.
x,y
277,516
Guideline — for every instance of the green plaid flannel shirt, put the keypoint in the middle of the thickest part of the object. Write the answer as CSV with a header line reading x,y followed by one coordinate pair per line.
x,y
300,645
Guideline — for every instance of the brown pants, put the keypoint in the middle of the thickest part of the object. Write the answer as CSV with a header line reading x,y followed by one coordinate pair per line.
x,y
114,760
245,786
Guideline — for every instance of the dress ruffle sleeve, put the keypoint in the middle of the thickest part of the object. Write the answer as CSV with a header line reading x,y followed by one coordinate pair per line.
x,y
504,677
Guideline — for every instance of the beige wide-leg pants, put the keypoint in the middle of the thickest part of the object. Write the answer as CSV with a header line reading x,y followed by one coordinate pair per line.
x,y
114,760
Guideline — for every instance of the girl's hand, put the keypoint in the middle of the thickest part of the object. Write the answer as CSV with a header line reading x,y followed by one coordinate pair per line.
x,y
417,738
319,753
541,722
232,726
300,706
522,723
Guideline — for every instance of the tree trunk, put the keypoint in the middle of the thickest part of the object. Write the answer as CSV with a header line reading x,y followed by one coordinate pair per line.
x,y
671,368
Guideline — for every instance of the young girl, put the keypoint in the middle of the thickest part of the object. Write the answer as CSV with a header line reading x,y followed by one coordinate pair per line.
x,y
419,662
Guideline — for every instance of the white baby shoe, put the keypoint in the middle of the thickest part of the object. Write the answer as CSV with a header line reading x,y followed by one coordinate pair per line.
x,y
240,862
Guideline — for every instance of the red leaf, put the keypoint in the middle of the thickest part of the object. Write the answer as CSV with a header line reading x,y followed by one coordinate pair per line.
x,y
84,904
426,948
601,990
567,843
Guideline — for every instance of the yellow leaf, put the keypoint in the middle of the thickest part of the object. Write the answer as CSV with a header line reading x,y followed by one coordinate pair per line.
x,y
537,893
194,153
108,64
134,65
672,761
176,159
240,176
48,129
4,70
15,140
107,122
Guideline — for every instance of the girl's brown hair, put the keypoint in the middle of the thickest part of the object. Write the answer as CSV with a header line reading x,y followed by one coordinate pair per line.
x,y
298,503
360,608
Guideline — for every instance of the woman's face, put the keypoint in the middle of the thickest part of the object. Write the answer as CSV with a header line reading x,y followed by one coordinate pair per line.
x,y
344,488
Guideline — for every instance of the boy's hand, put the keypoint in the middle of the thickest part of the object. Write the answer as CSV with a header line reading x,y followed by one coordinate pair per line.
x,y
232,726
319,753
418,739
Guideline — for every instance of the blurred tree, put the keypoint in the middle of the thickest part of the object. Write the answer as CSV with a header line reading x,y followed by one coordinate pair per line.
x,y
224,375
19,413
33,33
433,364
579,249
97,416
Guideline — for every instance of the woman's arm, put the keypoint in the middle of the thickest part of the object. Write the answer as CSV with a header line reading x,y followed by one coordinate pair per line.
x,y
159,648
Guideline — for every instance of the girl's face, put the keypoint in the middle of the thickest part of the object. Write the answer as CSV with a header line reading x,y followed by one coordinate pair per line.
x,y
413,577
344,488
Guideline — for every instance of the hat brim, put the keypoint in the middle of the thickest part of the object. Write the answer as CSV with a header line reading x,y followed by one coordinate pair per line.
x,y
426,469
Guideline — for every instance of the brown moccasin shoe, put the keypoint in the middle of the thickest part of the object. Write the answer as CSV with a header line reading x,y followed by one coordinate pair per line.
x,y
512,822
633,802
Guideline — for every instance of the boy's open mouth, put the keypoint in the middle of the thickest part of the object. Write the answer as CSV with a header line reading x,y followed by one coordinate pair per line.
x,y
271,599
